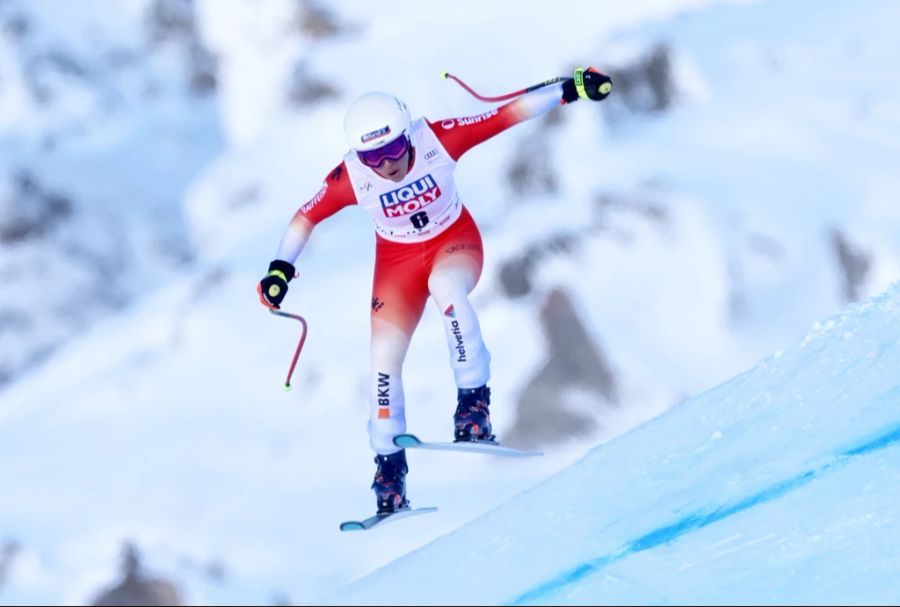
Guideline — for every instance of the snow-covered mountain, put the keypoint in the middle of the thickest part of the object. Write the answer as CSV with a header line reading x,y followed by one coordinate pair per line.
x,y
739,185
107,114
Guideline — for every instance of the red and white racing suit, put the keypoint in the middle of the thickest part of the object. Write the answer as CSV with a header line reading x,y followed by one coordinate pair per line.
x,y
426,244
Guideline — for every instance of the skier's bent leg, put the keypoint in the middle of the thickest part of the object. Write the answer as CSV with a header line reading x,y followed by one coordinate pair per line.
x,y
450,285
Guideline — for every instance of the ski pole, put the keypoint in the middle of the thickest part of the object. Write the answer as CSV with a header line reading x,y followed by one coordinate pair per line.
x,y
287,382
527,89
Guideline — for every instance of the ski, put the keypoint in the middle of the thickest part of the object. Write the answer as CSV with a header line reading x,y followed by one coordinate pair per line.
x,y
411,441
380,519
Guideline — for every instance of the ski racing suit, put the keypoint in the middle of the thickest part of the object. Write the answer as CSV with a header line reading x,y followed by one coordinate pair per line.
x,y
426,244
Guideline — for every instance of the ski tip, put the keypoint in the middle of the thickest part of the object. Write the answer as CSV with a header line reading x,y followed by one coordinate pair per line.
x,y
352,526
407,440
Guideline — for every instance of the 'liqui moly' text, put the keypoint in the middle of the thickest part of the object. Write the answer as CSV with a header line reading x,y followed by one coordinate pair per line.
x,y
410,198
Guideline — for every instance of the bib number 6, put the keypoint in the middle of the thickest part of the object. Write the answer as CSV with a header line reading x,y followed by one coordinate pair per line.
x,y
420,219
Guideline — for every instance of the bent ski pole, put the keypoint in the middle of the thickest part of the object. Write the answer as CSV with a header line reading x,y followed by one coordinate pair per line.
x,y
287,382
527,89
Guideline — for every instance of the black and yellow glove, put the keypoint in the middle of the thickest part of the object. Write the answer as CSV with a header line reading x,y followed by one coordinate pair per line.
x,y
587,83
274,286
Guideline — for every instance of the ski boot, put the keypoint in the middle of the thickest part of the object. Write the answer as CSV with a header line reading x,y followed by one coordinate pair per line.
x,y
390,482
472,420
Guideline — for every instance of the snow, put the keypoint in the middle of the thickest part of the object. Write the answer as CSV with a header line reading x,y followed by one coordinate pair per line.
x,y
776,487
750,456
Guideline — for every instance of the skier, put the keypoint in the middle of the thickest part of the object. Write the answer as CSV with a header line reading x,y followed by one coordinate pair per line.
x,y
402,172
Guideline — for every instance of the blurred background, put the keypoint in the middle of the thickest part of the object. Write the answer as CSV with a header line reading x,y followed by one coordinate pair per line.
x,y
740,184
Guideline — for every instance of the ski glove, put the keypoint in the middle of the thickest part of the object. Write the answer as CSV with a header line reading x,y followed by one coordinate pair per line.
x,y
274,286
587,84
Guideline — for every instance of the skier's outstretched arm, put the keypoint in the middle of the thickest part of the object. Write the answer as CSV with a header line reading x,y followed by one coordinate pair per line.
x,y
336,193
459,135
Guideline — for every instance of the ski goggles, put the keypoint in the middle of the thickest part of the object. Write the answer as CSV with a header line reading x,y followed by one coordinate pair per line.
x,y
395,150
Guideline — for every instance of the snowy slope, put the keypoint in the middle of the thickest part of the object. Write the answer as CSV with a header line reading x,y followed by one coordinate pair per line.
x,y
779,486
673,248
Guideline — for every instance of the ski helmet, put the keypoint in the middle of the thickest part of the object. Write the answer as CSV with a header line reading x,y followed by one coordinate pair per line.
x,y
375,119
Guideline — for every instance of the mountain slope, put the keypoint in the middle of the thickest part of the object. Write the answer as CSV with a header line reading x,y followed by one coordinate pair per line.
x,y
778,486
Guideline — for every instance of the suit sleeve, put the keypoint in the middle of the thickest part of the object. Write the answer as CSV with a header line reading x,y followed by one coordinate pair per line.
x,y
459,135
336,193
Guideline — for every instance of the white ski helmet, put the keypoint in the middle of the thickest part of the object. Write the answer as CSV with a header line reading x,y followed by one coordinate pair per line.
x,y
375,119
